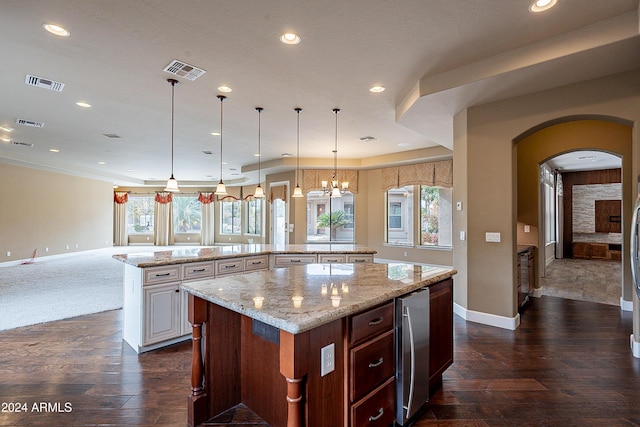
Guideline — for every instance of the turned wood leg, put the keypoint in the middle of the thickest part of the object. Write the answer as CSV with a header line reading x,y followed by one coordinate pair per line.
x,y
294,402
197,403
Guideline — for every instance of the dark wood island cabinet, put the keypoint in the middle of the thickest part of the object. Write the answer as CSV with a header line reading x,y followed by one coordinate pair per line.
x,y
261,340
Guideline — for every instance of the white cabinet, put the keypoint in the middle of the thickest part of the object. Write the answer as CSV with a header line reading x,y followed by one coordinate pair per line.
x,y
359,258
289,260
329,258
162,313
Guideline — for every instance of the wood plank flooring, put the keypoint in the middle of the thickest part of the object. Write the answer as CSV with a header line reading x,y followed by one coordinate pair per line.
x,y
568,364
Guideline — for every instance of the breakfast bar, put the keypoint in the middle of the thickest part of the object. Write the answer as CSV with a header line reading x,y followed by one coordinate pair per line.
x,y
311,345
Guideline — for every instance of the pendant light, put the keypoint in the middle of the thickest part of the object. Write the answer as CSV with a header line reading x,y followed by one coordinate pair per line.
x,y
172,184
259,193
221,190
297,192
336,189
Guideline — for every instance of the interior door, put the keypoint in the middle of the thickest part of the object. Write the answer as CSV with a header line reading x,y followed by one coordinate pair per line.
x,y
280,218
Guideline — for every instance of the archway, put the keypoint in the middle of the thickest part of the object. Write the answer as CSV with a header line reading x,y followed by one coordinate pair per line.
x,y
563,135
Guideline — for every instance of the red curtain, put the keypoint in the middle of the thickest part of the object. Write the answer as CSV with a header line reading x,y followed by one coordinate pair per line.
x,y
206,199
124,198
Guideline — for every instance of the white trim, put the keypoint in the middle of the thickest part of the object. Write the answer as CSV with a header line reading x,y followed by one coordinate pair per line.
x,y
396,261
537,293
635,347
510,323
626,305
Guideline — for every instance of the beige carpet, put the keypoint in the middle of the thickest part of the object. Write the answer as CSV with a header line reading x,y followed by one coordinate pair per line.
x,y
57,288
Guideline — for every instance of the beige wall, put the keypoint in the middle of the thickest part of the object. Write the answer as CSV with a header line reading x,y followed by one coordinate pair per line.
x,y
42,210
484,141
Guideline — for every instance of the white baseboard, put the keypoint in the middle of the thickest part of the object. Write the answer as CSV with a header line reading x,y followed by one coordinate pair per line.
x,y
635,347
537,293
510,323
626,305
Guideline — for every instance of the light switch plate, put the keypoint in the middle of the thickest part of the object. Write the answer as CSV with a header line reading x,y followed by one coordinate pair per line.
x,y
492,237
458,206
463,235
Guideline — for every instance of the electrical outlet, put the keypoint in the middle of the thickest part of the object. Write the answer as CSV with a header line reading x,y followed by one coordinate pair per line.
x,y
8,253
67,246
46,249
327,359
76,246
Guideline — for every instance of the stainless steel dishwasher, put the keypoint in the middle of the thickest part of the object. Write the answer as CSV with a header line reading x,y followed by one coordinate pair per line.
x,y
412,353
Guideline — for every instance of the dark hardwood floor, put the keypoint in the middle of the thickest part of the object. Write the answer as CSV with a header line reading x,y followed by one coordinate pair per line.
x,y
568,364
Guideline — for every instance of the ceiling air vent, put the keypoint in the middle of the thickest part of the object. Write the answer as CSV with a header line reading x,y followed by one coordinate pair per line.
x,y
208,152
112,135
368,138
183,69
21,144
30,123
44,83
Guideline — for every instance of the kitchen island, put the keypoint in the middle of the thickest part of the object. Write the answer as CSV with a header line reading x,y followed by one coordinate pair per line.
x,y
154,306
309,345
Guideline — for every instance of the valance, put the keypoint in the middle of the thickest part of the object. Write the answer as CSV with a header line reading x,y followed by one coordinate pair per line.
x,y
206,198
312,179
164,198
433,174
278,192
120,197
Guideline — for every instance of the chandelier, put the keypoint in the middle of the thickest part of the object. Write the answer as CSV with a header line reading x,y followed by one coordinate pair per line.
x,y
221,190
336,189
172,183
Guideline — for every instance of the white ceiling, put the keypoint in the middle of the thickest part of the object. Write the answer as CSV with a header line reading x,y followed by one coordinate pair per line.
x,y
434,57
583,160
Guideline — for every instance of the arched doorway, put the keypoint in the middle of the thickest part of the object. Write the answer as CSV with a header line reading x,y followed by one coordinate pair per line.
x,y
545,142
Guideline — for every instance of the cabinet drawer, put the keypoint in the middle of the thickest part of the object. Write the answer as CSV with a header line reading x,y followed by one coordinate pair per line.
x,y
371,364
256,263
372,322
359,258
328,258
229,266
169,273
287,260
377,409
197,270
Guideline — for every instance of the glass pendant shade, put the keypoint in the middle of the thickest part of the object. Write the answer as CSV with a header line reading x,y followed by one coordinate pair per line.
x,y
259,193
297,192
221,190
335,192
172,184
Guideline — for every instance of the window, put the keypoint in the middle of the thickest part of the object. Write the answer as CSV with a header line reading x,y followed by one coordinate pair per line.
x,y
231,217
187,214
140,216
435,216
400,216
330,219
254,217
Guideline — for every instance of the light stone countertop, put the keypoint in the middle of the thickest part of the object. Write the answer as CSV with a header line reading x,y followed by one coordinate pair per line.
x,y
182,255
350,288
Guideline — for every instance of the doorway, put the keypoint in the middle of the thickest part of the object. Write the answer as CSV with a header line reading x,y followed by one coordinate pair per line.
x,y
279,214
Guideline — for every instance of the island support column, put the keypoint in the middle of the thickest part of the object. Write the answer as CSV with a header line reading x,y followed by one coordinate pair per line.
x,y
293,366
197,404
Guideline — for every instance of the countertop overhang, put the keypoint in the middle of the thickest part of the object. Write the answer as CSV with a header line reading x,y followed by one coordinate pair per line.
x,y
185,255
272,296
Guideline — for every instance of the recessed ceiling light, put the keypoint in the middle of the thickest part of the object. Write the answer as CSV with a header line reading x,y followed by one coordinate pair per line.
x,y
83,104
6,139
224,89
102,163
587,158
286,154
215,133
290,38
542,5
54,150
56,30
376,89
256,155
6,129
404,144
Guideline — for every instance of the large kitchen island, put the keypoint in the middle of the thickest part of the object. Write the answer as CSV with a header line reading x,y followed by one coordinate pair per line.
x,y
311,345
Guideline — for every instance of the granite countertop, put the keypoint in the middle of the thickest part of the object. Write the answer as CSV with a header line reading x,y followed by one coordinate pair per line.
x,y
270,296
196,254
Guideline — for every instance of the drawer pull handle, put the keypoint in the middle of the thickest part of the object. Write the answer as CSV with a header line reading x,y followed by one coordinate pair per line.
x,y
163,274
376,363
358,260
199,270
377,417
256,262
376,321
177,290
332,260
230,266
295,260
